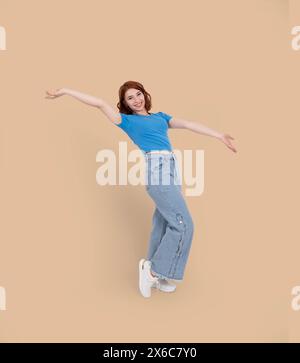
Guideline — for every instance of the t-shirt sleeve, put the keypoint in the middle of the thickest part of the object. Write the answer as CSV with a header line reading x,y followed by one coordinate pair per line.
x,y
166,116
124,124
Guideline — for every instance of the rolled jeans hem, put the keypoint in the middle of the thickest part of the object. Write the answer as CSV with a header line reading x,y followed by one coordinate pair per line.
x,y
160,276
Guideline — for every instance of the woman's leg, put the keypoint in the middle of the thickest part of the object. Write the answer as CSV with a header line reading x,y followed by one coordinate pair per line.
x,y
159,225
170,257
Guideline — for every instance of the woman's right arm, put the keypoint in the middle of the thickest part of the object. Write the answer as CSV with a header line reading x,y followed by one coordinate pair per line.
x,y
112,114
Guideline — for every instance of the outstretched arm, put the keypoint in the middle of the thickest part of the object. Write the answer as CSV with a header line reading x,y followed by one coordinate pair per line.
x,y
202,129
112,114
89,100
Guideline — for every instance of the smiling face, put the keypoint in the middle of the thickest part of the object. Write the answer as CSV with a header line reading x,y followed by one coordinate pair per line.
x,y
135,100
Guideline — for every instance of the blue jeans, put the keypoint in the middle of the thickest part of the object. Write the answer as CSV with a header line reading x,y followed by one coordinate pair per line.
x,y
172,225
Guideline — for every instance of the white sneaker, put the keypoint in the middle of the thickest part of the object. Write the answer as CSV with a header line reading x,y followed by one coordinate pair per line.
x,y
164,285
146,280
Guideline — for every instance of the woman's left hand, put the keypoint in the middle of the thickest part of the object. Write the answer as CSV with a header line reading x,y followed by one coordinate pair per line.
x,y
226,139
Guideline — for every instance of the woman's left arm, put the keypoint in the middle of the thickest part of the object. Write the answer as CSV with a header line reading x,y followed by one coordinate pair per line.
x,y
176,123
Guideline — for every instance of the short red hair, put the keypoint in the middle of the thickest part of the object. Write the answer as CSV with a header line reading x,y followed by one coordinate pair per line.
x,y
122,106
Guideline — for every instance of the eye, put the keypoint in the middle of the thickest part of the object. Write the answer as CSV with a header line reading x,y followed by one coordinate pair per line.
x,y
138,94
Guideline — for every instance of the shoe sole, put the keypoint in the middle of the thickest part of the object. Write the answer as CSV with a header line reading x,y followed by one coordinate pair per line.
x,y
140,276
162,289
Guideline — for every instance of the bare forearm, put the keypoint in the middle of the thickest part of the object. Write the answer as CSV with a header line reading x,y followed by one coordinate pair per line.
x,y
89,100
202,129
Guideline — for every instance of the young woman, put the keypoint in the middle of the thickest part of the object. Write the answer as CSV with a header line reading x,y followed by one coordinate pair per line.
x,y
172,224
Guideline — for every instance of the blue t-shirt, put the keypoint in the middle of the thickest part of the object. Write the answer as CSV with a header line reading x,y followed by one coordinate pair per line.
x,y
147,132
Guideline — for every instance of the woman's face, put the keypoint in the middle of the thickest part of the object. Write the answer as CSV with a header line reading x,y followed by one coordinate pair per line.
x,y
135,99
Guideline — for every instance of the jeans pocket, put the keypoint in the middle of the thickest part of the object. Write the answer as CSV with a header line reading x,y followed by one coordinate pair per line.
x,y
164,173
154,170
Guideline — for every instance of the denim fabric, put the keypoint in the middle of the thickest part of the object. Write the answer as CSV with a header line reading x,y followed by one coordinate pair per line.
x,y
172,225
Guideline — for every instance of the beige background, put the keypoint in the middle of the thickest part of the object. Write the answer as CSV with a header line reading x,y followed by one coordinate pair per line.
x,y
70,248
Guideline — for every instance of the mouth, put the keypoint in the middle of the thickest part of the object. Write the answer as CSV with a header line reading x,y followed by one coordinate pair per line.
x,y
138,105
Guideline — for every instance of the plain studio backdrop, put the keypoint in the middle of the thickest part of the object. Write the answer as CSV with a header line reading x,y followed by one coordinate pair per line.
x,y
70,247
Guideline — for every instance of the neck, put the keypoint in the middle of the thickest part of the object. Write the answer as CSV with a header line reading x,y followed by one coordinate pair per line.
x,y
145,113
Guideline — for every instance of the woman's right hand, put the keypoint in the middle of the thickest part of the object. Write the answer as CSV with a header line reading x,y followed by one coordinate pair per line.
x,y
54,93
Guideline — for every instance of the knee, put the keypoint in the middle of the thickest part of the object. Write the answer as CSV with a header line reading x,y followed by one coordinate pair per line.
x,y
185,222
